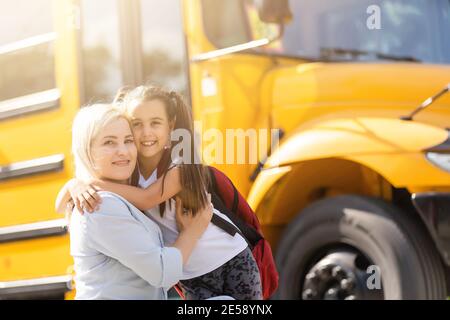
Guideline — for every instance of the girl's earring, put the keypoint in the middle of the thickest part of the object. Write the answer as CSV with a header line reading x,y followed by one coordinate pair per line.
x,y
167,146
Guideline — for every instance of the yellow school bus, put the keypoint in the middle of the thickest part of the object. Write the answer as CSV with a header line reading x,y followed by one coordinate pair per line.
x,y
354,193
357,190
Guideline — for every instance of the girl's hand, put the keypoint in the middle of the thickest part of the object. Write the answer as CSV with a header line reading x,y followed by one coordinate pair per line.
x,y
195,225
84,196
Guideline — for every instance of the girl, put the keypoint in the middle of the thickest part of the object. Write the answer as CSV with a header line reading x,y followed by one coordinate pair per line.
x,y
220,264
118,252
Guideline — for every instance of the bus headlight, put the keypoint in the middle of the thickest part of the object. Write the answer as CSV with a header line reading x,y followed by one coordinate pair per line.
x,y
441,160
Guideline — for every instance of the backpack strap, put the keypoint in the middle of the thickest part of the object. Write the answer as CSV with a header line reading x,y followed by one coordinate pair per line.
x,y
223,224
250,234
229,228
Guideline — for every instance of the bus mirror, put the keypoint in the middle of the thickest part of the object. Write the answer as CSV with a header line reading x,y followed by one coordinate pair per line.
x,y
274,11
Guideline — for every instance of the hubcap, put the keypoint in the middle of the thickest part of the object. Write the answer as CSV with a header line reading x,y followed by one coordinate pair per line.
x,y
339,275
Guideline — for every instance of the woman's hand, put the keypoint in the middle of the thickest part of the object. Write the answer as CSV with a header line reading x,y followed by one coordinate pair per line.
x,y
84,196
194,225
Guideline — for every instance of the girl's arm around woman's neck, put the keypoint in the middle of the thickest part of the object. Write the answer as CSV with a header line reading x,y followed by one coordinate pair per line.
x,y
149,197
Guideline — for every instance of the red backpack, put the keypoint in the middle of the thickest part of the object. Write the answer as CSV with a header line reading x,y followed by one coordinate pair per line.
x,y
227,199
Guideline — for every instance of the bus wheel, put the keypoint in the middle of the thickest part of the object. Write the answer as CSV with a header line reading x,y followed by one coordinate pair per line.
x,y
356,247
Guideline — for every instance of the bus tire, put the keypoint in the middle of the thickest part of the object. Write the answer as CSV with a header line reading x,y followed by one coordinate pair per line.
x,y
337,234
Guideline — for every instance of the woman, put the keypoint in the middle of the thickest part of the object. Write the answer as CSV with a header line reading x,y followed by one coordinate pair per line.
x,y
221,264
118,252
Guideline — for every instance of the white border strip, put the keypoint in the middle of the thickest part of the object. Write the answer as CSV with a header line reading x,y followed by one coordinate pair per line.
x,y
28,43
33,230
30,103
39,165
226,51
67,279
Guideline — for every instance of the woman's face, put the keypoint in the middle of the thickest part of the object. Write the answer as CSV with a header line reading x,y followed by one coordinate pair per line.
x,y
114,152
151,128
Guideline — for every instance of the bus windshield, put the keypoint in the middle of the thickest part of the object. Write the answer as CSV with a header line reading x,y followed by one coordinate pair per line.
x,y
344,30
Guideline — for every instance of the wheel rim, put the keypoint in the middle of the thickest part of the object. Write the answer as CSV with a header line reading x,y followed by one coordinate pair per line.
x,y
339,275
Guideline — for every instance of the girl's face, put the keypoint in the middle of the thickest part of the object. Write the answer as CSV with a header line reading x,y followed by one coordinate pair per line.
x,y
151,127
114,152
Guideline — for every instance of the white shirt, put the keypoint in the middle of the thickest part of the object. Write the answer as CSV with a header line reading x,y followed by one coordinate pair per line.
x,y
213,249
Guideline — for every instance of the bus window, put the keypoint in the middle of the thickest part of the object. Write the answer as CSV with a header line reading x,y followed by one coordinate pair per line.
x,y
102,73
164,59
225,22
26,48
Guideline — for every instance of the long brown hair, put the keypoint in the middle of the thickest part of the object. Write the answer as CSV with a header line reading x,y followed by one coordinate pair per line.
x,y
194,177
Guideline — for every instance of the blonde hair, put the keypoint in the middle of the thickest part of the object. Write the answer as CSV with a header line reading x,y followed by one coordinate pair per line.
x,y
87,124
